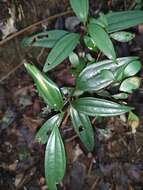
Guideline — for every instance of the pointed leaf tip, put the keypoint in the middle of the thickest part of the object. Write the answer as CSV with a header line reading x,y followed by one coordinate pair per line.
x,y
55,159
47,89
81,8
102,40
61,51
99,107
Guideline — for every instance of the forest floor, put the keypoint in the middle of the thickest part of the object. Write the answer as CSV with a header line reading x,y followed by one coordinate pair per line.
x,y
117,160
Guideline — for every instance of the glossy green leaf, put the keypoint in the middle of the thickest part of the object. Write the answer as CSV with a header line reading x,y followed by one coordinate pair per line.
x,y
122,36
119,73
77,64
45,39
61,51
101,21
90,44
99,107
81,8
102,40
83,128
97,82
55,160
46,87
127,70
74,59
43,133
118,21
121,96
132,68
92,71
98,22
130,84
104,93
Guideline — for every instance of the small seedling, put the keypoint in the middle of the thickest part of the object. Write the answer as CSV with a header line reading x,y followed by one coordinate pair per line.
x,y
92,95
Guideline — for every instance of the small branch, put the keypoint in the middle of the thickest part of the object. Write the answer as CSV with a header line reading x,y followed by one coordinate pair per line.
x,y
11,72
71,138
95,183
33,26
23,31
64,122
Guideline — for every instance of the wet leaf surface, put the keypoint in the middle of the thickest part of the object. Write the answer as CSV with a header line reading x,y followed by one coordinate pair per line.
x,y
117,159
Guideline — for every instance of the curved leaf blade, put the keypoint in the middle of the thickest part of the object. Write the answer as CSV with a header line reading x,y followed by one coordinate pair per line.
x,y
61,50
81,8
92,71
90,44
45,39
74,59
122,20
83,128
120,96
132,68
42,135
55,160
130,84
97,82
48,90
102,40
127,70
99,107
122,36
99,22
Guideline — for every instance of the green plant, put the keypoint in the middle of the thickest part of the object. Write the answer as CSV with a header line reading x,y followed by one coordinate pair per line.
x,y
92,95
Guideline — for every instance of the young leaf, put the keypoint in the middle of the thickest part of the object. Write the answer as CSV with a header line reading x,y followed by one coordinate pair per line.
x,y
99,107
90,44
42,135
61,50
46,87
45,39
74,59
132,68
83,128
102,19
122,20
122,36
120,96
99,21
80,8
127,70
102,40
55,161
97,82
91,71
130,84
133,121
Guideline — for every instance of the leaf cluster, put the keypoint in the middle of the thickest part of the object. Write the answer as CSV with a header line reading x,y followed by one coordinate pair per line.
x,y
93,94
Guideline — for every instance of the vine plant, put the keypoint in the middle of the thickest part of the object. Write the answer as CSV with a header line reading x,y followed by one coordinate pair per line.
x,y
92,95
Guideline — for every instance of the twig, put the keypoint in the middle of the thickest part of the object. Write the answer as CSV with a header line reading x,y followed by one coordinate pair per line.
x,y
11,72
95,183
24,30
98,56
93,120
90,167
33,26
64,122
71,138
